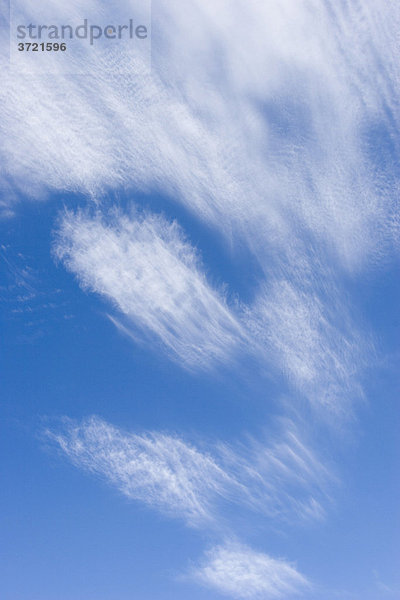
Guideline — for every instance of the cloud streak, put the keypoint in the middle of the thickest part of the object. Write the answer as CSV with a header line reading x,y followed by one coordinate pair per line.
x,y
280,478
144,265
282,475
309,335
264,157
162,471
240,572
282,156
152,274
282,137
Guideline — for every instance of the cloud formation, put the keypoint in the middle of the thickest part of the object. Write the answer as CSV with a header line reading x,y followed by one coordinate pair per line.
x,y
144,265
275,146
281,137
162,471
240,572
282,475
308,334
284,142
281,478
151,273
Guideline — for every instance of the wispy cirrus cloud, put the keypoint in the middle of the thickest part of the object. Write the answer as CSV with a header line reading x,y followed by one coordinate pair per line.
x,y
309,335
281,477
240,572
264,157
176,479
144,265
160,470
274,146
284,143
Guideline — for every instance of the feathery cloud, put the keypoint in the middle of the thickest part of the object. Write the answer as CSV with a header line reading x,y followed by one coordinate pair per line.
x,y
281,478
240,572
310,336
152,274
283,162
178,480
282,475
262,156
160,470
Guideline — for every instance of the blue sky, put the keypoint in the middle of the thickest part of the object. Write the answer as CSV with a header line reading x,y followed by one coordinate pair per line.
x,y
200,299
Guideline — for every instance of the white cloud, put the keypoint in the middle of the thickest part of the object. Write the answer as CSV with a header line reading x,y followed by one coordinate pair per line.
x,y
281,477
269,141
309,335
173,477
240,572
262,121
273,145
148,270
160,470
144,265
281,474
